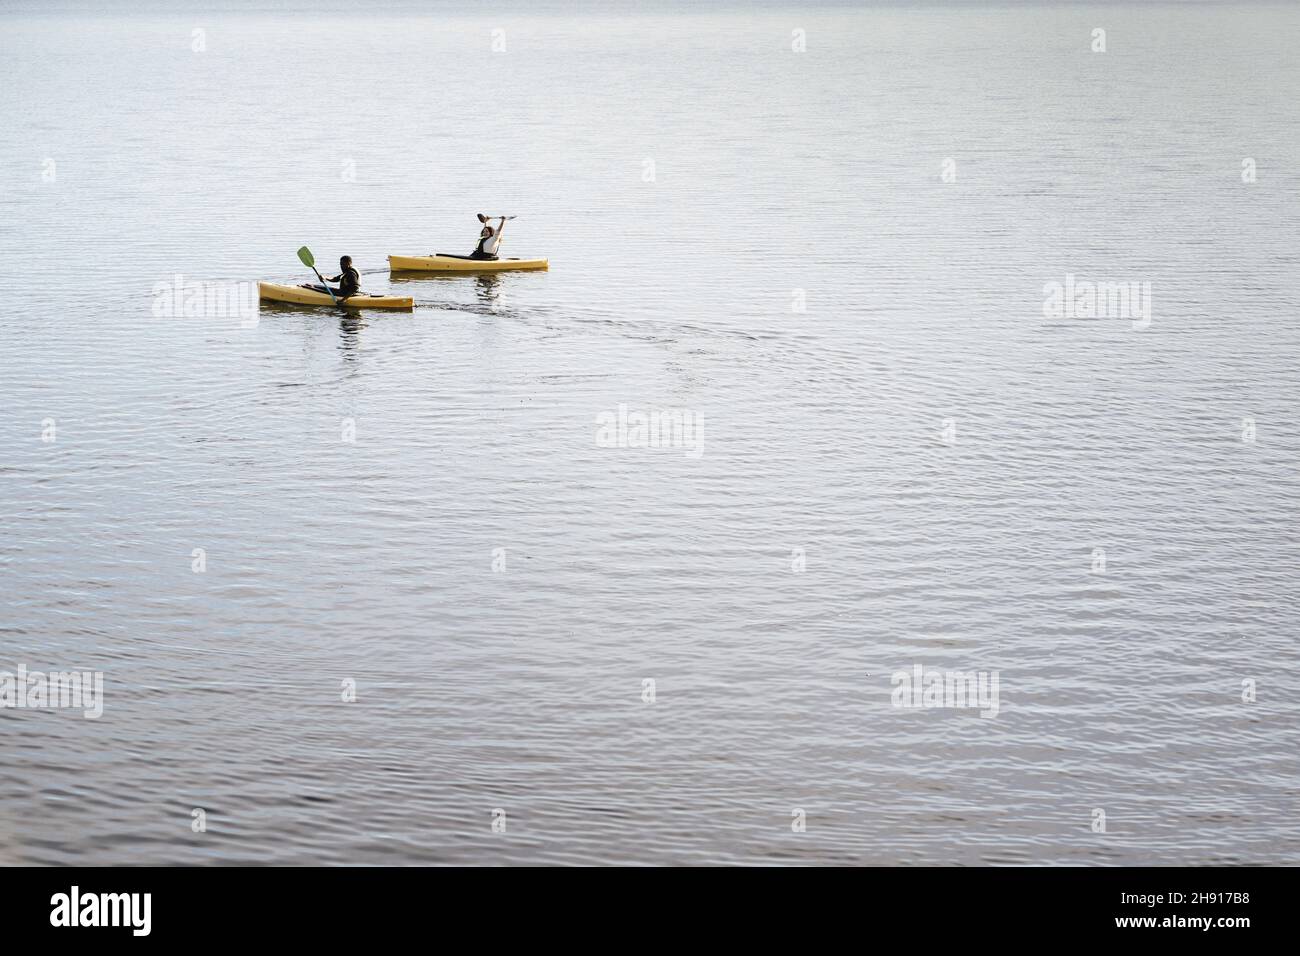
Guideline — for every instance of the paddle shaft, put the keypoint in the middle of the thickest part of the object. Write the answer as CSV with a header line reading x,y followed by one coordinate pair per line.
x,y
307,259
325,284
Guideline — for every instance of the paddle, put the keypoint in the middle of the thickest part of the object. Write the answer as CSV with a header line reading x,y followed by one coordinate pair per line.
x,y
307,259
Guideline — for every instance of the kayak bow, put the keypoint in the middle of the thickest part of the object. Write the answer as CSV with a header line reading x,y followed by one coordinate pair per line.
x,y
297,295
441,262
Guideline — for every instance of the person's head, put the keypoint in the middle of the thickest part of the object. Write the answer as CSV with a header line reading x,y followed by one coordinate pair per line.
x,y
482,218
345,262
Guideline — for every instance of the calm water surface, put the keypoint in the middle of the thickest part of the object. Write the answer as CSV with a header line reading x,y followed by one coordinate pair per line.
x,y
946,458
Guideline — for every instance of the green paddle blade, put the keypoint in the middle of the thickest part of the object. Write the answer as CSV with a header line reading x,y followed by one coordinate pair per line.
x,y
304,254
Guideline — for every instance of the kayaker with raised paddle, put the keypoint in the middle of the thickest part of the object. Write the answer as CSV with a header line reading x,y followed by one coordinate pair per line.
x,y
349,280
489,239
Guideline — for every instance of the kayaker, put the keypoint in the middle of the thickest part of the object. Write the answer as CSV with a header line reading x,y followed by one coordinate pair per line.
x,y
489,239
349,280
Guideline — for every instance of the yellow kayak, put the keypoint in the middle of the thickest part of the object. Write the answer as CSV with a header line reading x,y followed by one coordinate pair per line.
x,y
441,262
300,296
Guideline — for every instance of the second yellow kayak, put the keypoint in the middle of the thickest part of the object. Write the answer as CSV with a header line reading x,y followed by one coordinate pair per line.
x,y
440,262
274,292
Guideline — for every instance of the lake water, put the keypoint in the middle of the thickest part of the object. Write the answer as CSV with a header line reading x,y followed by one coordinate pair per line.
x,y
636,654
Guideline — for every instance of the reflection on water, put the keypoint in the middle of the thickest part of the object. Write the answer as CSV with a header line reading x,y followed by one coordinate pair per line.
x,y
350,327
487,286
903,463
